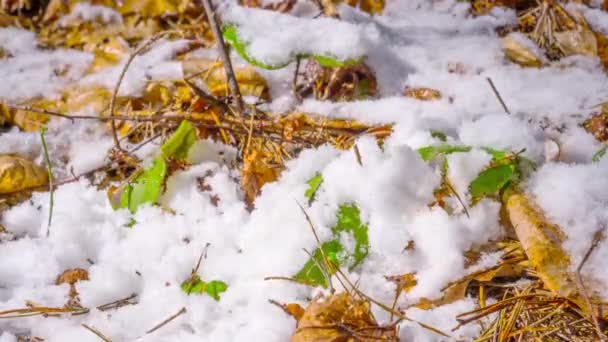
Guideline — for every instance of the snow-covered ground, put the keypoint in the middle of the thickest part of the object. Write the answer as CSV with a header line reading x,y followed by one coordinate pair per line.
x,y
417,43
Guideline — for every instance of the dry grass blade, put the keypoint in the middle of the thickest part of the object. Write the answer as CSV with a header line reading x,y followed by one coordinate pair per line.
x,y
167,320
96,332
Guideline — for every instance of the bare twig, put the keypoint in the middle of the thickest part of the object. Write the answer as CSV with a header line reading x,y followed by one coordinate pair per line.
x,y
597,238
358,154
135,53
221,47
96,332
451,188
502,102
166,321
314,232
50,173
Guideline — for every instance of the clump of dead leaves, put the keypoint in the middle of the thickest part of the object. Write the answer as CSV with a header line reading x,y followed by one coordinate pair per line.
x,y
338,317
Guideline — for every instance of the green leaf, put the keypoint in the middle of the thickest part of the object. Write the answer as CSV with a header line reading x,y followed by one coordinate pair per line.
x,y
332,62
313,185
311,273
431,152
214,288
179,144
492,180
198,286
439,135
496,154
146,188
194,284
231,36
599,154
349,221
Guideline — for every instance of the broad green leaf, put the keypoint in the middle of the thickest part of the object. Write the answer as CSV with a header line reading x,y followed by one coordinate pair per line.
x,y
431,152
214,288
313,185
492,180
146,188
179,144
231,36
193,285
311,273
599,154
349,221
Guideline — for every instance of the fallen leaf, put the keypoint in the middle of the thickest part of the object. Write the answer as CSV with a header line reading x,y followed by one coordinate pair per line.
x,y
17,174
580,41
71,276
341,317
519,52
542,242
422,94
250,82
598,124
256,172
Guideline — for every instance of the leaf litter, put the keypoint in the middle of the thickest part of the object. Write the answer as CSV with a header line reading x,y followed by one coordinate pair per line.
x,y
178,101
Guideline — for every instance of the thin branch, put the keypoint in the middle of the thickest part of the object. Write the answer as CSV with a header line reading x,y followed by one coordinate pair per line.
x,y
314,232
221,47
502,102
166,321
50,175
138,51
597,237
96,332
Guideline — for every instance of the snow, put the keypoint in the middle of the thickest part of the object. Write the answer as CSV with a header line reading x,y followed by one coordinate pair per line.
x,y
433,44
87,12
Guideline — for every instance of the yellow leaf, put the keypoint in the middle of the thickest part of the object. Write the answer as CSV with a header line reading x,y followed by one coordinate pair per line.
x,y
341,317
30,121
17,174
519,53
71,276
256,172
152,8
580,41
542,242
422,94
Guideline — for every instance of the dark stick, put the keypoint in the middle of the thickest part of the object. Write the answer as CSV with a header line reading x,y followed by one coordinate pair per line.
x,y
221,47
504,106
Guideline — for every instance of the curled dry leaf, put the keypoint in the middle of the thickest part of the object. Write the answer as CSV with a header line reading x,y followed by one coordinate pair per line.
x,y
341,317
341,83
580,41
518,52
71,276
598,125
257,171
17,174
422,93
